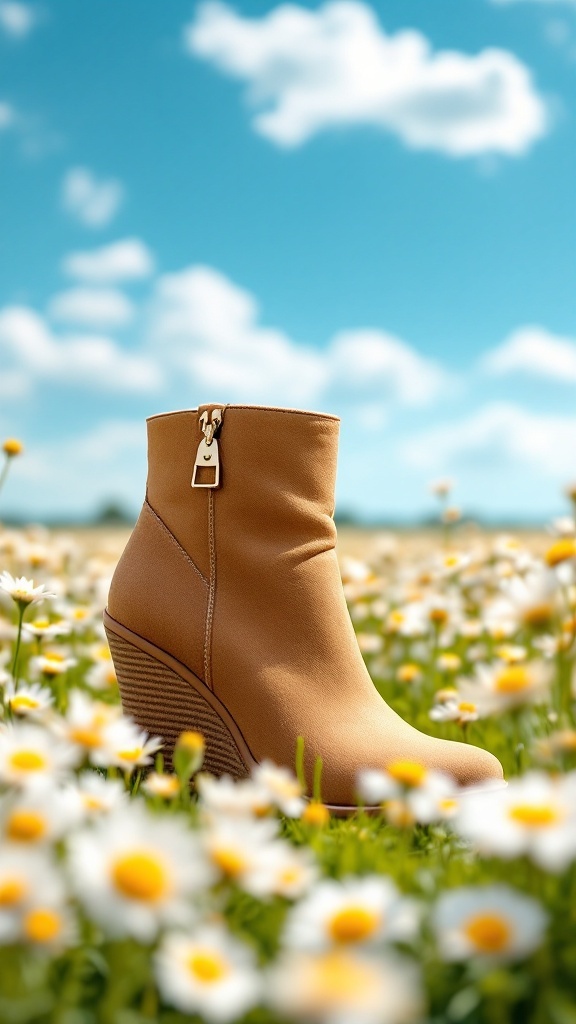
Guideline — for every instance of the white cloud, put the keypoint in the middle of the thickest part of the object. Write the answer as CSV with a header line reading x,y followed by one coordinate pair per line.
x,y
379,363
14,384
211,329
311,70
127,260
7,116
534,351
97,308
28,347
16,19
108,462
501,430
92,201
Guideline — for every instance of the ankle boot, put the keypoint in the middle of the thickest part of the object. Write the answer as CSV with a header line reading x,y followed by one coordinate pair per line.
x,y
227,615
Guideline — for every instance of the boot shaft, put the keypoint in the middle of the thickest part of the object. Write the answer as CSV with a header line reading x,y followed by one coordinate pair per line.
x,y
277,477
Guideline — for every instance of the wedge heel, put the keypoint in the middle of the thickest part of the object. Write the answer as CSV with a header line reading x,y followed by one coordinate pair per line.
x,y
165,704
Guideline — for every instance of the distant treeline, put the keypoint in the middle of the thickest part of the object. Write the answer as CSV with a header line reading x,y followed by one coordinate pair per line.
x,y
114,514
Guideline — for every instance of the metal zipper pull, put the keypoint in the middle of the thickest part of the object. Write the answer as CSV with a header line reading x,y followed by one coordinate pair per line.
x,y
207,456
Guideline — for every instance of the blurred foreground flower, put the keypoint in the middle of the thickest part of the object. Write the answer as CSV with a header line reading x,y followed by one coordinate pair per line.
x,y
491,922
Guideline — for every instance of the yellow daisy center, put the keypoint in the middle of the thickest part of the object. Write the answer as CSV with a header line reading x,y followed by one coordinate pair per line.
x,y
12,891
438,616
562,550
131,755
534,815
538,615
42,925
512,679
93,803
408,773
335,978
27,761
397,617
398,813
408,672
448,805
229,860
489,933
353,924
25,826
86,736
207,966
53,664
316,813
290,875
22,702
12,446
467,706
140,876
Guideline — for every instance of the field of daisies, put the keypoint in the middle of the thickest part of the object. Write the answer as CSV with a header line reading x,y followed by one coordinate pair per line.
x,y
129,894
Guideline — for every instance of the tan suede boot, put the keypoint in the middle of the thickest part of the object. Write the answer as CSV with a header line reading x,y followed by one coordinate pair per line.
x,y
227,615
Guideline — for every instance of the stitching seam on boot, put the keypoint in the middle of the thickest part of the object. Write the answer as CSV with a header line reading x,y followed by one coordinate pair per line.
x,y
211,594
175,541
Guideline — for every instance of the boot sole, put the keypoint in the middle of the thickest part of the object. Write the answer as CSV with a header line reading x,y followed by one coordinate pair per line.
x,y
165,699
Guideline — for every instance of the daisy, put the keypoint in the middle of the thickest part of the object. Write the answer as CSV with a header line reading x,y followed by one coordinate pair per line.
x,y
340,986
502,686
409,672
283,871
128,747
26,877
449,662
491,922
207,973
450,563
235,848
416,787
408,620
441,488
224,797
47,925
22,591
282,788
135,872
36,816
369,643
455,710
533,598
86,725
52,664
97,796
535,815
102,675
43,629
28,701
29,755
355,911
161,784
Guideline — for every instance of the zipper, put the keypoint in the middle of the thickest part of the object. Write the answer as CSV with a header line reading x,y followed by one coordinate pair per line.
x,y
208,456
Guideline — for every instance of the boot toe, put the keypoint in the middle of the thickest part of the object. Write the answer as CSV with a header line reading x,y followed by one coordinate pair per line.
x,y
474,766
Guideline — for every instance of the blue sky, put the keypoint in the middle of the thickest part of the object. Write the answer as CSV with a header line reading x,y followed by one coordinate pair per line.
x,y
364,208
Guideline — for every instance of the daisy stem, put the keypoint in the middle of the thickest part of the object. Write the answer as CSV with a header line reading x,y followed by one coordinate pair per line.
x,y
21,610
317,785
300,774
4,472
136,782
